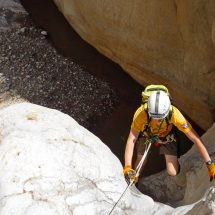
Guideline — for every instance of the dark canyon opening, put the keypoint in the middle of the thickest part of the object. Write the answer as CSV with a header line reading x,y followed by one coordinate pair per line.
x,y
112,130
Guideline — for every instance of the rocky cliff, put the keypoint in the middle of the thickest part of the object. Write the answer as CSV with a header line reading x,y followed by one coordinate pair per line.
x,y
52,165
170,42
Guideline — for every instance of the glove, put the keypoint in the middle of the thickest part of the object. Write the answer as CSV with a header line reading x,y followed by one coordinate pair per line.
x,y
130,174
211,171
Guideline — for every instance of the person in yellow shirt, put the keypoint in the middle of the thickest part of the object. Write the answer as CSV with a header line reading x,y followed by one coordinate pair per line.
x,y
156,121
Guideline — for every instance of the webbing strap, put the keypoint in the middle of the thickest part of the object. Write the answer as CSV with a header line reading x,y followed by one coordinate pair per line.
x,y
154,137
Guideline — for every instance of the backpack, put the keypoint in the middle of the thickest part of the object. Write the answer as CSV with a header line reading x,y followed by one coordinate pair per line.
x,y
145,95
152,88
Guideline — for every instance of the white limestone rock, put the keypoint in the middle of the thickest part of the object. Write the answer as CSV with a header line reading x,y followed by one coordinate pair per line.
x,y
49,164
52,165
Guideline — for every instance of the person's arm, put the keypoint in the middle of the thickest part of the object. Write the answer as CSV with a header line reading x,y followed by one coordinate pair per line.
x,y
132,138
183,125
194,137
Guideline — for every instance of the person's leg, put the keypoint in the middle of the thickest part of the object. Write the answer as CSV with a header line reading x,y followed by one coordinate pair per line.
x,y
171,152
172,165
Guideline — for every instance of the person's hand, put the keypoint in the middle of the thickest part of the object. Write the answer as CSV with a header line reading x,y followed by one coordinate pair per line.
x,y
130,173
211,171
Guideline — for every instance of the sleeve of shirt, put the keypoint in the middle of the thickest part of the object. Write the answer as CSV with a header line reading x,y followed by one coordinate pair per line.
x,y
180,121
139,119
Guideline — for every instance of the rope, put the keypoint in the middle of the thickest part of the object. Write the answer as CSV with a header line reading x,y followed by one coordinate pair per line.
x,y
138,168
152,139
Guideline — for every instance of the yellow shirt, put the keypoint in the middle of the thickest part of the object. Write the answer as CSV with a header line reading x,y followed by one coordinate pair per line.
x,y
140,120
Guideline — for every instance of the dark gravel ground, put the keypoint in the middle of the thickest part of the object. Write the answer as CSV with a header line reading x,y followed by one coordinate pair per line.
x,y
31,69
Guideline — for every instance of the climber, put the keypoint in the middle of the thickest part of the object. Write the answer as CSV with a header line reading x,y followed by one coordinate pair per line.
x,y
156,119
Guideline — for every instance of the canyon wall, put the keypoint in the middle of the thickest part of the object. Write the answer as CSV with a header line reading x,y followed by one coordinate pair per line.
x,y
171,42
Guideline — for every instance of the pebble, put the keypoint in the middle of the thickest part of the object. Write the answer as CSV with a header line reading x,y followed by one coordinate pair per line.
x,y
44,33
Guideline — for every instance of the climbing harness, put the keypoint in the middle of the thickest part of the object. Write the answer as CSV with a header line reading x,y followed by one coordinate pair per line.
x,y
137,170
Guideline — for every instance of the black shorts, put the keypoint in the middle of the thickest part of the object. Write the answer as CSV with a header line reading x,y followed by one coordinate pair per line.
x,y
169,146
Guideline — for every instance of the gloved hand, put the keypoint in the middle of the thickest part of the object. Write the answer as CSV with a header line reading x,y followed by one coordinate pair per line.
x,y
211,171
130,173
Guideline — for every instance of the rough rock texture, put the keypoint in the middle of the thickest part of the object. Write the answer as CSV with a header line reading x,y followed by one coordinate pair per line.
x,y
170,42
52,165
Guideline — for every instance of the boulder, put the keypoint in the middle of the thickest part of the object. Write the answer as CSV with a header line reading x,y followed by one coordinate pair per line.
x,y
52,165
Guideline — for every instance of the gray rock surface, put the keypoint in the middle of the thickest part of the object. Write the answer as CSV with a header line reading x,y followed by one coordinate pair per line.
x,y
191,185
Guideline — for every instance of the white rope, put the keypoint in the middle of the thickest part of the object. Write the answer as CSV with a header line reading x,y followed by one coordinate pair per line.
x,y
143,158
136,174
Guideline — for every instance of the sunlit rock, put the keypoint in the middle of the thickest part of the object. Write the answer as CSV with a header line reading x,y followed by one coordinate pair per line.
x,y
169,42
52,165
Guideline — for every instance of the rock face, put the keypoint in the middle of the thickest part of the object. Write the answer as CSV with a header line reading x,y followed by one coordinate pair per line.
x,y
170,42
52,165
192,182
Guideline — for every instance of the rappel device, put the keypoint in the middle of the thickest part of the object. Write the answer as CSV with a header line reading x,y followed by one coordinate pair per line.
x,y
138,168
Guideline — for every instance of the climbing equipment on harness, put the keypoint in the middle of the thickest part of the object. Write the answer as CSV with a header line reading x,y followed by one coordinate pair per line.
x,y
138,168
169,138
154,138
